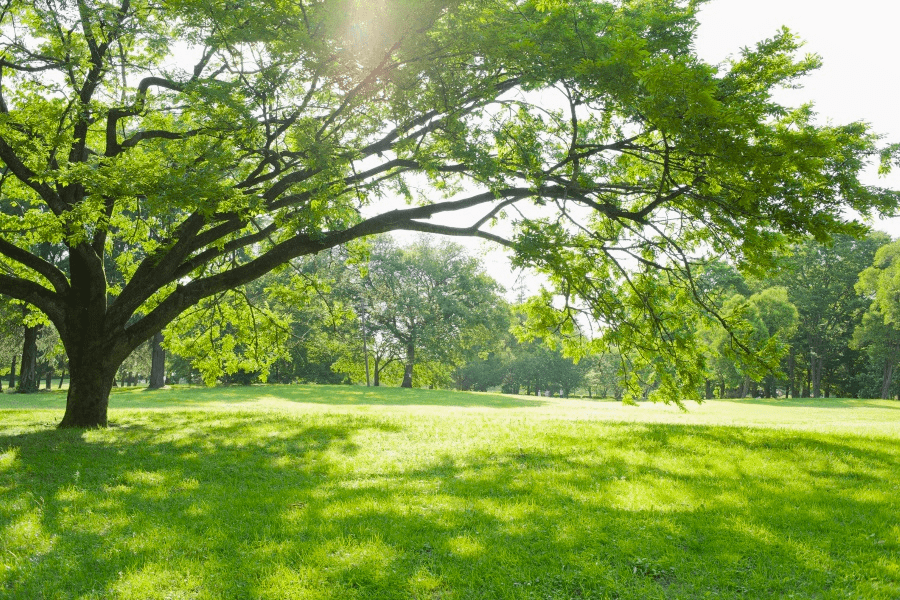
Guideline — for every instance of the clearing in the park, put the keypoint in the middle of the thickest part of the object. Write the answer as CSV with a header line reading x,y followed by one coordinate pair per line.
x,y
349,492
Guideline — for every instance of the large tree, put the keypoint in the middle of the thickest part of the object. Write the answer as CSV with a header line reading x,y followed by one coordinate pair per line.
x,y
208,142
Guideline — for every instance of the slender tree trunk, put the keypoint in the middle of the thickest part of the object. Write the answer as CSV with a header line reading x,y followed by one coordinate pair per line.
x,y
887,378
709,389
157,363
722,388
49,377
29,380
365,348
408,370
745,387
816,375
376,375
792,384
12,373
62,375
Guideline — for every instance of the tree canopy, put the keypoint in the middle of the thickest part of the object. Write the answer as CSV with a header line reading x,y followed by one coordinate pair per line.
x,y
200,145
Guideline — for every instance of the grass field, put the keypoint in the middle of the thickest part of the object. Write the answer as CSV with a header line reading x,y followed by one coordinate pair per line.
x,y
339,492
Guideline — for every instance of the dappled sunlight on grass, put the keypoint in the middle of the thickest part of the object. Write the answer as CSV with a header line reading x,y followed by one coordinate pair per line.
x,y
862,417
247,499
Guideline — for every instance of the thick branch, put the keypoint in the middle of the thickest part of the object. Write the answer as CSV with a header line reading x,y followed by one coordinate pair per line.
x,y
155,271
56,277
457,232
30,178
33,293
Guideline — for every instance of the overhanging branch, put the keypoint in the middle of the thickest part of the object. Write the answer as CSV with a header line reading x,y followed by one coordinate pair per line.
x,y
33,293
56,277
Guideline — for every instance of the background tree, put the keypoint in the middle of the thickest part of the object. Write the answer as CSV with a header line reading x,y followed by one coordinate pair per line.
x,y
820,280
294,118
432,302
767,321
718,282
10,339
604,378
879,331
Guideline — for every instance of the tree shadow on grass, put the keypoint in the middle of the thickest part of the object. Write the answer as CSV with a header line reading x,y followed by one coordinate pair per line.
x,y
842,403
332,395
279,507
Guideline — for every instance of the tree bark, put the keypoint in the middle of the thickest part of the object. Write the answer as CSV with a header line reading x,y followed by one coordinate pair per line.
x,y
408,370
816,377
792,385
709,389
157,363
90,382
29,381
12,373
887,378
376,381
49,377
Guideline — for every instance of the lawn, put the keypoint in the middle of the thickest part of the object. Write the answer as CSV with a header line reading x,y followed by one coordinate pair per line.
x,y
348,492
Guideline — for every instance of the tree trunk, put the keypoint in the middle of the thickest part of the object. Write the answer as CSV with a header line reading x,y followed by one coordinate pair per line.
x,y
722,388
12,373
408,370
745,387
709,389
62,375
816,367
90,382
792,385
49,377
887,378
157,363
29,380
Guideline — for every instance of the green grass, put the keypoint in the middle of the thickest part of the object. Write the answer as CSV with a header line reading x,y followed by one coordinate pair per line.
x,y
336,492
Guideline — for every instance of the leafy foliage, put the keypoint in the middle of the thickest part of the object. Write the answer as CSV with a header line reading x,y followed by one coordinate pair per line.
x,y
879,331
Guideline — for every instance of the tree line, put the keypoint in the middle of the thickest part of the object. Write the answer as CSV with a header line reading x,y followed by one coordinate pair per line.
x,y
822,322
